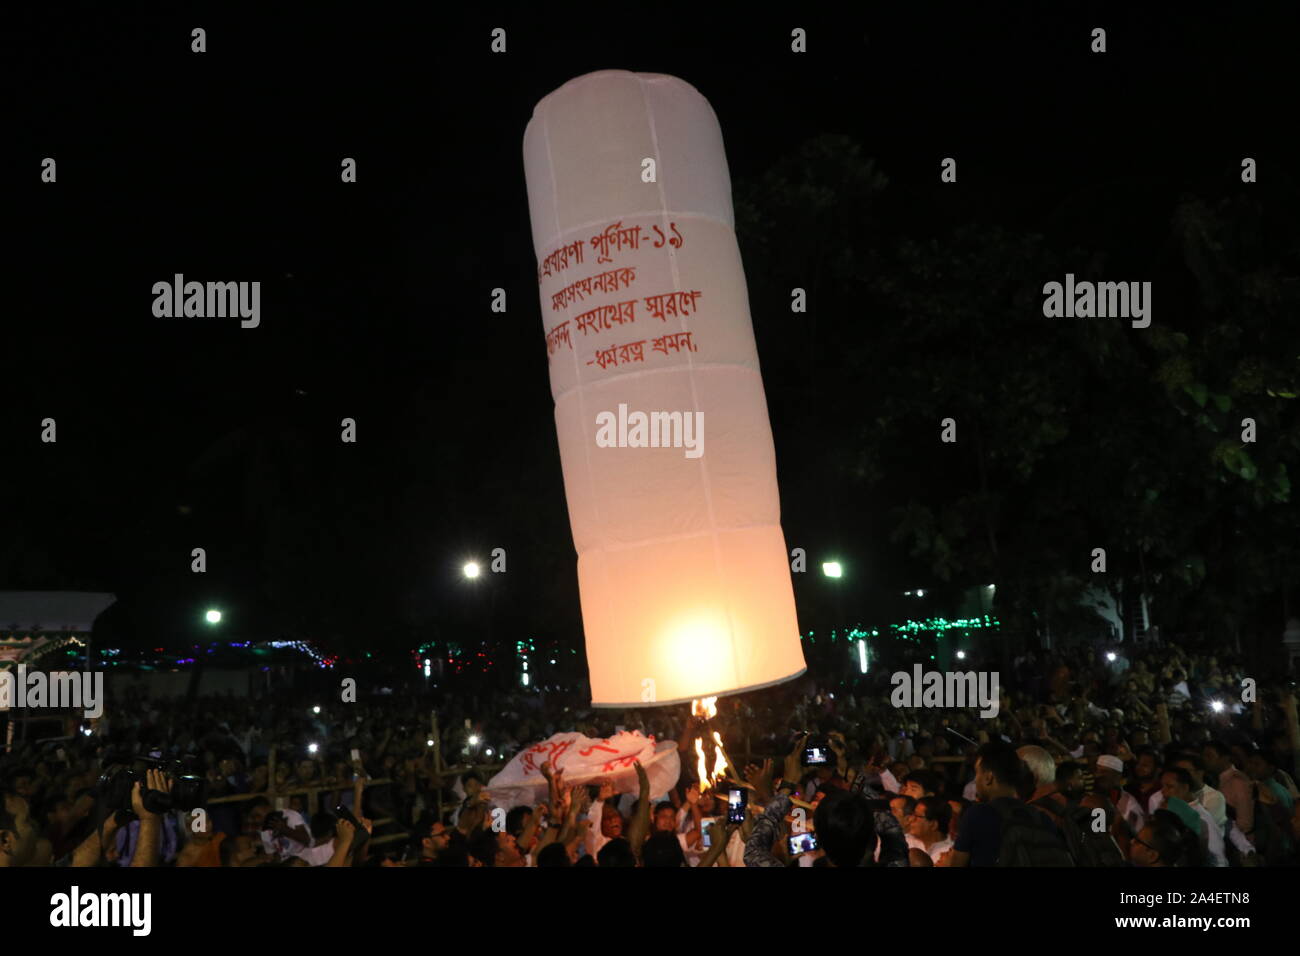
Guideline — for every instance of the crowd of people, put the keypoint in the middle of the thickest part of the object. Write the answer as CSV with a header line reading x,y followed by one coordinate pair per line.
x,y
1151,757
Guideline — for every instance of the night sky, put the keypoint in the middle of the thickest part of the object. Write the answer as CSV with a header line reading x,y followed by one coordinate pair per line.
x,y
224,166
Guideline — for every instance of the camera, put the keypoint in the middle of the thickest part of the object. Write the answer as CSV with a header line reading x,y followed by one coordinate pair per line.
x,y
118,778
802,843
817,754
114,786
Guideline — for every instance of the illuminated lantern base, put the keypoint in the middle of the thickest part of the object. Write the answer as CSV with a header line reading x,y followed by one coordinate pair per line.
x,y
702,647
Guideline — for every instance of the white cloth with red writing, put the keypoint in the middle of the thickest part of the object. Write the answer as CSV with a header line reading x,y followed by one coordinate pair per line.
x,y
585,760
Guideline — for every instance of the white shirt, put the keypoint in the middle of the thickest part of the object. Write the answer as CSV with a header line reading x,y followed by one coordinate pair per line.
x,y
935,850
595,839
1214,836
1213,801
1238,839
317,855
1214,833
282,847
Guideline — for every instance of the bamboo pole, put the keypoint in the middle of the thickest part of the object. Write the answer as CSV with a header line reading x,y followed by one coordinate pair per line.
x,y
270,778
318,789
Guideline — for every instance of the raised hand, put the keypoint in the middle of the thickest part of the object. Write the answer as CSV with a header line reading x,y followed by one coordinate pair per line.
x,y
579,800
794,761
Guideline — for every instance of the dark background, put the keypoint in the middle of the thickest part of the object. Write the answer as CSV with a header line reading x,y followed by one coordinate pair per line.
x,y
924,302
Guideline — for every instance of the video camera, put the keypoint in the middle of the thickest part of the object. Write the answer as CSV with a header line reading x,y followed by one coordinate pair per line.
x,y
118,778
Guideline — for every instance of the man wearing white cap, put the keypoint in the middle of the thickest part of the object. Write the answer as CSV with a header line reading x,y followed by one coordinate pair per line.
x,y
1109,774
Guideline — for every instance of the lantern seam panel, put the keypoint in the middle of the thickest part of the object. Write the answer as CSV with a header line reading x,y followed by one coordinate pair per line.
x,y
690,371
577,375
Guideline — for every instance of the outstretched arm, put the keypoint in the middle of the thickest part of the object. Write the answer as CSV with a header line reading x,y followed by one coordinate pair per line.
x,y
721,836
149,848
758,848
640,828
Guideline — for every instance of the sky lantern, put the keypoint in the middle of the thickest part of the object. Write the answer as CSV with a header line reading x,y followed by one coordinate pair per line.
x,y
665,444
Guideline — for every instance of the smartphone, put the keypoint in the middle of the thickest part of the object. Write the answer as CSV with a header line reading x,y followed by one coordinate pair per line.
x,y
816,756
802,843
737,799
705,835
356,754
361,835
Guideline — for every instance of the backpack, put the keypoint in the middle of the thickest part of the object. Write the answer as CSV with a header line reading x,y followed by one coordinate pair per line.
x,y
1271,843
1086,847
1027,840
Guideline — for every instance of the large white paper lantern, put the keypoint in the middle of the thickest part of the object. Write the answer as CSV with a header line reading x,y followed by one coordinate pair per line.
x,y
682,565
